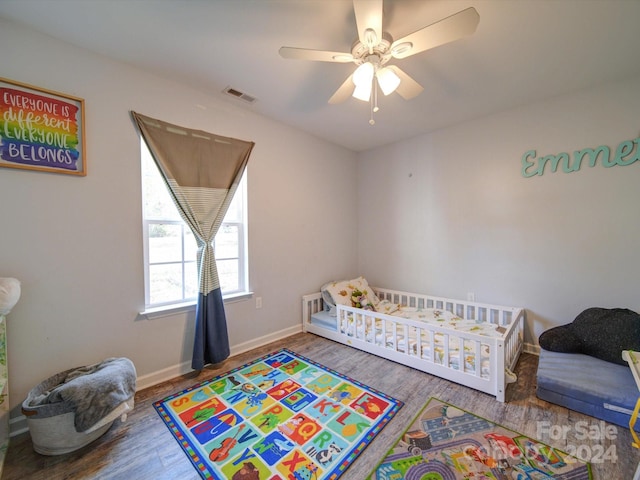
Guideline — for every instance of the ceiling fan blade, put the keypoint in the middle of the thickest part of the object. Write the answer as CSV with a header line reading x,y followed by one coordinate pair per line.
x,y
315,55
368,17
447,30
408,87
344,92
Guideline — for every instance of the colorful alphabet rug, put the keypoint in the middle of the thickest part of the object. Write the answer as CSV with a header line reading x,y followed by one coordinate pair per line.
x,y
281,416
447,443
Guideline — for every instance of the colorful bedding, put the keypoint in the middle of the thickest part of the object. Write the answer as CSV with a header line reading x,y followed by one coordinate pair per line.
x,y
446,319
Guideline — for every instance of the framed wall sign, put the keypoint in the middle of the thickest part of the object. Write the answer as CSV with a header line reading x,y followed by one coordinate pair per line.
x,y
41,129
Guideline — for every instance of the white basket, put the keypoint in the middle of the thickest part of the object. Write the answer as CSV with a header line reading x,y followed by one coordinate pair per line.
x,y
52,426
57,435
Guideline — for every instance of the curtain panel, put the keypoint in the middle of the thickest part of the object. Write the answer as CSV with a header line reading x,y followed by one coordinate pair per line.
x,y
202,172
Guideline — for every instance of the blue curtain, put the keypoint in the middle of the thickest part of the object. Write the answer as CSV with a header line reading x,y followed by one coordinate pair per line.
x,y
202,171
211,343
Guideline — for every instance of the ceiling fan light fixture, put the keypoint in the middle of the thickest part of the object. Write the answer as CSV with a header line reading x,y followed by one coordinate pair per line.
x,y
401,48
362,92
363,74
388,80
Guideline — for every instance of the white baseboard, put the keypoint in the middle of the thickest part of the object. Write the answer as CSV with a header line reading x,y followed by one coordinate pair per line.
x,y
532,349
18,424
166,374
259,342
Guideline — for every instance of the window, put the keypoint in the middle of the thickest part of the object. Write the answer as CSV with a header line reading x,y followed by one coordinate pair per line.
x,y
170,249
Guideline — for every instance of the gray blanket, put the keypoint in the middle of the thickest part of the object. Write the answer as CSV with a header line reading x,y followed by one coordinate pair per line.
x,y
93,391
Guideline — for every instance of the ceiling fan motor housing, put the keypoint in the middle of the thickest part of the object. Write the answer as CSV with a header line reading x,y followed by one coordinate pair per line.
x,y
362,53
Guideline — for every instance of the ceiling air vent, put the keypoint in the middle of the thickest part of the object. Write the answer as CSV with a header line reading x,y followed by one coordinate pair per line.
x,y
238,94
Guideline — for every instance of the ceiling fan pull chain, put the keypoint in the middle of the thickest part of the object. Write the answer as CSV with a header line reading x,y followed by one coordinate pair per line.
x,y
375,94
373,102
371,120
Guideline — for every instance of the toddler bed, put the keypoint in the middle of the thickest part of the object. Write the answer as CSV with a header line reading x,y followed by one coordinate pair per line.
x,y
473,344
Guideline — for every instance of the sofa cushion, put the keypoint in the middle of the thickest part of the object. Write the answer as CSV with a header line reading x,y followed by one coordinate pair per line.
x,y
569,379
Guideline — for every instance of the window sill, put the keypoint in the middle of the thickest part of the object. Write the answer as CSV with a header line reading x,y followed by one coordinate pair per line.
x,y
177,308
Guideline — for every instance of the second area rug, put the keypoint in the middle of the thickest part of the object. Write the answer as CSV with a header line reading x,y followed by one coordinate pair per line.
x,y
445,442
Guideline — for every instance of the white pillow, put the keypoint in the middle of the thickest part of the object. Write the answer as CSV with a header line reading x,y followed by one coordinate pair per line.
x,y
327,299
340,292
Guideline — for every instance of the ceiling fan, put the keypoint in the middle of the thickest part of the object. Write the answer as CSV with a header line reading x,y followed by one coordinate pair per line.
x,y
374,48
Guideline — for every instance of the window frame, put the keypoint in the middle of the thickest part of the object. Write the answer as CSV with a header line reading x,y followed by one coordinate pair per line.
x,y
241,223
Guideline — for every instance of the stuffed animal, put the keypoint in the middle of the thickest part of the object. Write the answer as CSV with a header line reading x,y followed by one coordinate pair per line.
x,y
9,294
360,300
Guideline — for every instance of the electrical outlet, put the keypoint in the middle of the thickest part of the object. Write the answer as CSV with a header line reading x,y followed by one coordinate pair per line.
x,y
471,297
258,302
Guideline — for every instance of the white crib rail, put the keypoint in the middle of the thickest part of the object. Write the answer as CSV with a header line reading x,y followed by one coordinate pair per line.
x,y
414,344
481,312
311,304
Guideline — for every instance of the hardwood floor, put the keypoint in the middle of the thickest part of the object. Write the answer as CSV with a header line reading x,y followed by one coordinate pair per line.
x,y
142,448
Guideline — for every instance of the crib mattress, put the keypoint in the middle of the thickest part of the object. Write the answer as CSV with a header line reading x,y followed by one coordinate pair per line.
x,y
324,319
588,385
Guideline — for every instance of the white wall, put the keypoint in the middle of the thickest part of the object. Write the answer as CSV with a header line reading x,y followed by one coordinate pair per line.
x,y
450,213
76,242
